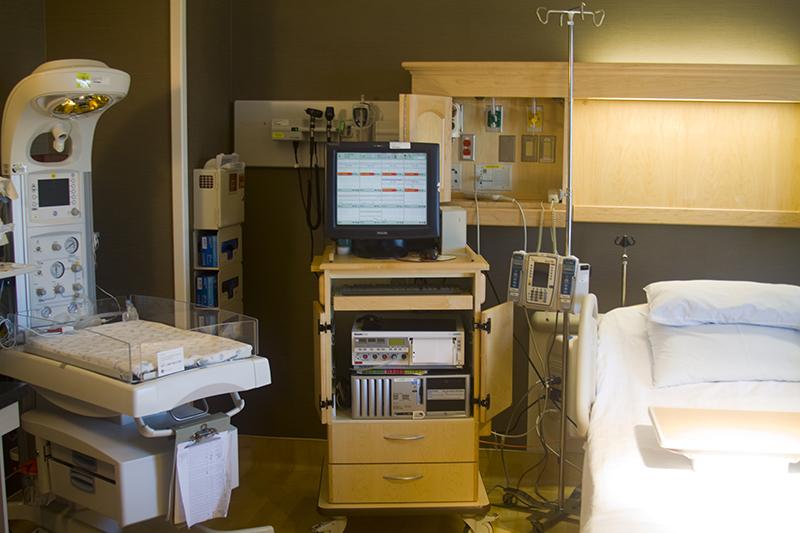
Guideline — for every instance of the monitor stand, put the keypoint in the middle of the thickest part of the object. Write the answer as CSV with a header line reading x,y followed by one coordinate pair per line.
x,y
380,248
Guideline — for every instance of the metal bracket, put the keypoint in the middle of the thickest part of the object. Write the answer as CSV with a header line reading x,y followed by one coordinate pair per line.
x,y
486,326
486,402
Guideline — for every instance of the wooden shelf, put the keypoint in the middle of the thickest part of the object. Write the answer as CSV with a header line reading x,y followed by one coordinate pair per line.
x,y
402,302
507,213
688,216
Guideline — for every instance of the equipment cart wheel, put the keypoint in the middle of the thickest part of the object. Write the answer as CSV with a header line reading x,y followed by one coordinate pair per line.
x,y
334,525
480,525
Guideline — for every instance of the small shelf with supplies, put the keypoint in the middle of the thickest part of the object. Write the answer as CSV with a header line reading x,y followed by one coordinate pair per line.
x,y
217,234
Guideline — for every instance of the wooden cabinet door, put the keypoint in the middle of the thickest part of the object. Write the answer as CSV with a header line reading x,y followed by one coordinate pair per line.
x,y
323,395
496,355
428,119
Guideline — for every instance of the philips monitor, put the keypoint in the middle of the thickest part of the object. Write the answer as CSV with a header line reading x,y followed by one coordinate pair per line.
x,y
383,191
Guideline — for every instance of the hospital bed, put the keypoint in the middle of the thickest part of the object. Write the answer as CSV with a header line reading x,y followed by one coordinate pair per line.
x,y
630,483
108,402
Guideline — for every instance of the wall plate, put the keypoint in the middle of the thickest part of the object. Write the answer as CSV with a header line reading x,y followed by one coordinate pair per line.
x,y
496,177
530,149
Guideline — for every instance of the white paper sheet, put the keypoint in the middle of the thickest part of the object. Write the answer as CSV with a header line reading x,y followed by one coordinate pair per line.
x,y
206,473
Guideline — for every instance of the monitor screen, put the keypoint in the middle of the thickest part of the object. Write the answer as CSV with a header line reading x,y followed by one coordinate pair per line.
x,y
53,192
380,191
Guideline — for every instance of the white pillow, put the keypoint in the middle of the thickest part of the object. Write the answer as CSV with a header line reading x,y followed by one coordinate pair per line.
x,y
689,303
723,352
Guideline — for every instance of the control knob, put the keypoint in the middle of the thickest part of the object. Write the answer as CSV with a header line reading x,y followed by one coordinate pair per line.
x,y
77,287
40,292
56,246
58,289
75,211
76,267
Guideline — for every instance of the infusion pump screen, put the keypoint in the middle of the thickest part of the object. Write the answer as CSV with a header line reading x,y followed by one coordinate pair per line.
x,y
381,189
53,192
541,273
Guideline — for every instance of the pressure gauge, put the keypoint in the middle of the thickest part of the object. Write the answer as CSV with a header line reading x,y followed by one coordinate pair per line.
x,y
71,245
57,269
72,308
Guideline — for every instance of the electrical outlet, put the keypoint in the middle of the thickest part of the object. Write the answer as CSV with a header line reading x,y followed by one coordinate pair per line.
x,y
466,147
554,195
455,177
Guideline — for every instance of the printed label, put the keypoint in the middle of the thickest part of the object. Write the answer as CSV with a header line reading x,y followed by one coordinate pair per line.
x,y
170,361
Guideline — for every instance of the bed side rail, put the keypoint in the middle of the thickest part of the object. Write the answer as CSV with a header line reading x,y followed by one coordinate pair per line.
x,y
582,360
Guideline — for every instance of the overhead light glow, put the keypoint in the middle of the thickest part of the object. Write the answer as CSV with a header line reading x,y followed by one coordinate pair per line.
x,y
80,105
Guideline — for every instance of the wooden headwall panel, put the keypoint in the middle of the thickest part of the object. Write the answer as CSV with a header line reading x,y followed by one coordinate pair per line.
x,y
696,162
530,181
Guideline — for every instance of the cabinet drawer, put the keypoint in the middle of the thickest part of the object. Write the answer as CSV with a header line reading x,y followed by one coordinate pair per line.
x,y
404,483
403,441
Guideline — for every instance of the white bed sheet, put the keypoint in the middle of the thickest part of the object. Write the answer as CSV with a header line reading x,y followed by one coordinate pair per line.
x,y
632,485
130,349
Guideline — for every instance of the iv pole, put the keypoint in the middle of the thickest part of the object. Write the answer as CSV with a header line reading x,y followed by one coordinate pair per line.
x,y
543,14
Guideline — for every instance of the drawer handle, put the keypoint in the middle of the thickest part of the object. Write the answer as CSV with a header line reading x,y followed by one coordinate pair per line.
x,y
81,481
403,478
404,437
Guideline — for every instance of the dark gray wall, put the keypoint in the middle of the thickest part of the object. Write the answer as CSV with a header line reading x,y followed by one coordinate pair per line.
x,y
22,27
314,49
209,87
131,155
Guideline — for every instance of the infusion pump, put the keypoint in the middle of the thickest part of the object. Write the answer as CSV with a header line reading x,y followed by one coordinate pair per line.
x,y
544,282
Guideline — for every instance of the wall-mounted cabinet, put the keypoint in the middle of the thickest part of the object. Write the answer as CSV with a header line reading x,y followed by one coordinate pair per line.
x,y
653,143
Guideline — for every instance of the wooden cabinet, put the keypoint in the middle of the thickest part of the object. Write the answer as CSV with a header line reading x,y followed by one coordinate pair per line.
x,y
425,118
653,143
407,464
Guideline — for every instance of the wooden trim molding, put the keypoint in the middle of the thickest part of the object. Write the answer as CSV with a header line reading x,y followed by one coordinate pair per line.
x,y
687,216
635,81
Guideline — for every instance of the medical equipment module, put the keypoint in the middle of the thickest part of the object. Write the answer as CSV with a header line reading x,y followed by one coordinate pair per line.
x,y
48,125
542,281
417,342
410,396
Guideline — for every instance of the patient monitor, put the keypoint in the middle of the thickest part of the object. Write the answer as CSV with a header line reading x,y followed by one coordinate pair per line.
x,y
48,126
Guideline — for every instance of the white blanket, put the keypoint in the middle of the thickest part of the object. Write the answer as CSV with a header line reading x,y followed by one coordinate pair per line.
x,y
632,485
129,350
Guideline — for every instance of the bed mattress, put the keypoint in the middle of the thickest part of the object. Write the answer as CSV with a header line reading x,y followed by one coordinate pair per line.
x,y
631,485
129,350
